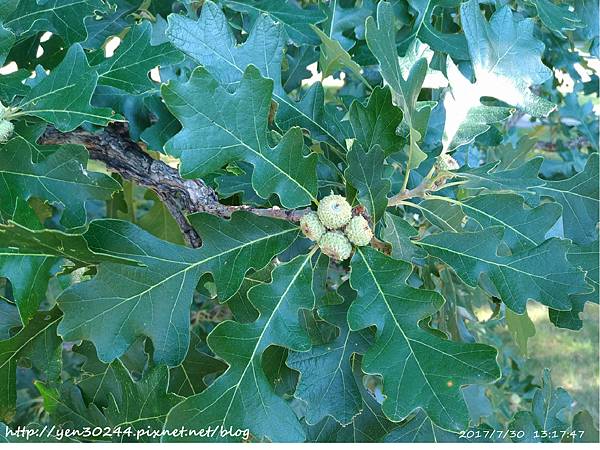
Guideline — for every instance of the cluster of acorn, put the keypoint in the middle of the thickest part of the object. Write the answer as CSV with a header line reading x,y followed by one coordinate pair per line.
x,y
334,227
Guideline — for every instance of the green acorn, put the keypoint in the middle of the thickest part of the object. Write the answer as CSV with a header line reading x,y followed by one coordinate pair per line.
x,y
334,211
311,226
358,231
335,245
6,130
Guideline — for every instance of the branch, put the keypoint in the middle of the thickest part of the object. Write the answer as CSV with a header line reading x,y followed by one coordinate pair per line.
x,y
427,186
419,191
114,147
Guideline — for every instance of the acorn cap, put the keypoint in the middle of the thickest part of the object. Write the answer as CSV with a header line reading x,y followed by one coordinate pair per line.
x,y
334,211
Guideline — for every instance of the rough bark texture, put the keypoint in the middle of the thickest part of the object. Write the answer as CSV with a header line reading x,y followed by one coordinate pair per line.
x,y
180,196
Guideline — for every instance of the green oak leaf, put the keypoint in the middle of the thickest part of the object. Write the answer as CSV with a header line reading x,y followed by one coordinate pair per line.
x,y
327,382
61,180
7,7
585,257
417,50
66,407
398,232
506,60
128,68
142,405
524,227
371,425
512,155
62,17
282,379
249,241
211,43
63,97
11,85
240,182
165,127
419,369
110,23
578,196
39,343
588,12
9,319
522,180
30,134
586,431
242,397
97,379
366,172
541,273
214,134
334,58
295,67
521,327
441,215
130,106
296,21
37,51
7,40
49,243
28,273
136,405
557,18
241,308
423,29
154,300
342,20
159,221
381,39
192,375
548,416
584,116
376,123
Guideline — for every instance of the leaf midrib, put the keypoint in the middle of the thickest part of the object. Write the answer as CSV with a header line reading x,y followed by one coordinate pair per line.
x,y
399,327
260,337
175,274
15,352
250,359
491,263
484,213
285,100
42,11
258,153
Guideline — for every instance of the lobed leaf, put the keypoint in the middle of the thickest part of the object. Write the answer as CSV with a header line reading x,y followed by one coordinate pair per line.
x,y
154,300
366,172
63,97
242,397
210,42
61,179
542,273
419,369
38,342
215,133
506,60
